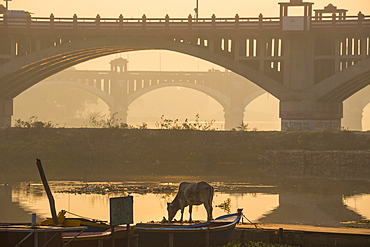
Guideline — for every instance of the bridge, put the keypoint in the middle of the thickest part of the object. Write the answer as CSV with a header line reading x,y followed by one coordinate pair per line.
x,y
311,63
231,91
119,87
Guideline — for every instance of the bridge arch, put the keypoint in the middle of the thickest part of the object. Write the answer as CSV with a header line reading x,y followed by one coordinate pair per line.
x,y
345,83
108,99
233,107
222,99
29,70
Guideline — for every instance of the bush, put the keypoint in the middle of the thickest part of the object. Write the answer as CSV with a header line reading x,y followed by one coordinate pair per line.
x,y
33,122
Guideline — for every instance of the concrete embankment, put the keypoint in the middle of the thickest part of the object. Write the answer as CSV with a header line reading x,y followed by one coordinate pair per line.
x,y
333,164
116,153
303,235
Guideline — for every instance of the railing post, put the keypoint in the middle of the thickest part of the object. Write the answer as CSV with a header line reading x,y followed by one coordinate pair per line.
x,y
120,21
5,20
190,20
97,20
28,21
144,21
75,21
237,21
260,21
213,21
333,20
167,21
361,18
51,20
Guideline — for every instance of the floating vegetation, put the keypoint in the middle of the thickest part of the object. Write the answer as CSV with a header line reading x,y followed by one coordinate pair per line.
x,y
127,188
109,188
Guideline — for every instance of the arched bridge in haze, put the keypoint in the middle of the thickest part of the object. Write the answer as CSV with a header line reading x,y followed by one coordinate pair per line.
x,y
119,87
311,63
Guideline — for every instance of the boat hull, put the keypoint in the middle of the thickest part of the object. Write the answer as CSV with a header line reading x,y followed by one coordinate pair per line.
x,y
98,239
217,232
184,239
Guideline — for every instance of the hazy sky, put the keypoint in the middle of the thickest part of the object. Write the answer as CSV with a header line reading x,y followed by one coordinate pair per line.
x,y
175,8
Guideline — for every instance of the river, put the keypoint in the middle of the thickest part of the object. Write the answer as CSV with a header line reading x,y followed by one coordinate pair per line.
x,y
261,203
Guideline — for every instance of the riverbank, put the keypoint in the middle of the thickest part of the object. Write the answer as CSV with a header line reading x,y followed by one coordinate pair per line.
x,y
100,154
303,235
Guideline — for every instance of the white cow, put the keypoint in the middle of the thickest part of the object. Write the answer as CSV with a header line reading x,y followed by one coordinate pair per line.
x,y
190,194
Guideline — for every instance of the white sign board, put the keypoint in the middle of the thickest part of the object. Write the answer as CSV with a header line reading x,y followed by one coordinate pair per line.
x,y
121,210
294,23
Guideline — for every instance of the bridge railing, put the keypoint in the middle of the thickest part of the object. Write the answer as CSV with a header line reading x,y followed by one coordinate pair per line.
x,y
340,21
174,23
139,23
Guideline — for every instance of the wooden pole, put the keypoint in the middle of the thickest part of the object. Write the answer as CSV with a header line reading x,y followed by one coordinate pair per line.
x,y
128,235
244,238
170,240
113,239
48,192
207,239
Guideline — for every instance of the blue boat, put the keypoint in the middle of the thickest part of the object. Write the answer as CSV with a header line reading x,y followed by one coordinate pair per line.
x,y
212,233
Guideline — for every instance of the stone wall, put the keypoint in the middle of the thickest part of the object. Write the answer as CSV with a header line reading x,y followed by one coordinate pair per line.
x,y
336,164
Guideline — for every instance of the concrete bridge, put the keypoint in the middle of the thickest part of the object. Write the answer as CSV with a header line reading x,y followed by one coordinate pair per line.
x,y
311,63
231,91
119,87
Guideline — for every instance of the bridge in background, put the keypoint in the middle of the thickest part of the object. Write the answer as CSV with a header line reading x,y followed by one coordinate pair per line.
x,y
310,63
230,90
119,87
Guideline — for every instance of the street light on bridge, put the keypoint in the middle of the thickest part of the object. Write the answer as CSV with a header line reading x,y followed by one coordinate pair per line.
x,y
196,10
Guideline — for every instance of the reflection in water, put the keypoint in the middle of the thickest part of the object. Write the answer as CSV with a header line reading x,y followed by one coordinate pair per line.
x,y
359,203
311,209
258,203
11,211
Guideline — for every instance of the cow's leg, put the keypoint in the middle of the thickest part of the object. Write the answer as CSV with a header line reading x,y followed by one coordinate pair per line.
x,y
182,213
209,211
190,212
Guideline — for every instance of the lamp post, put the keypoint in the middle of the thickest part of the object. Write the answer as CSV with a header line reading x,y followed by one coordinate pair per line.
x,y
6,5
196,10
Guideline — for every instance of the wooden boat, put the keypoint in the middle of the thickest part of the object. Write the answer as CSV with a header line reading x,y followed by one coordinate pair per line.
x,y
215,232
92,225
30,235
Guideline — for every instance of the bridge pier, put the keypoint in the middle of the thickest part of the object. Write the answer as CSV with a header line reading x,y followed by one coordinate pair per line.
x,y
233,118
310,115
6,112
119,89
120,114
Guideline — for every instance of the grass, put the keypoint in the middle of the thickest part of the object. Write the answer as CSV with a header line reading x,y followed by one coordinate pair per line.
x,y
255,244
